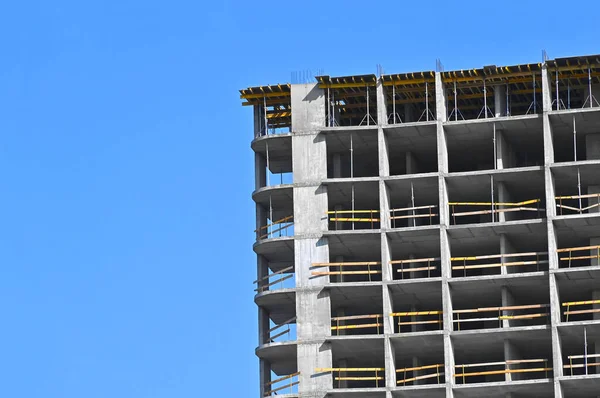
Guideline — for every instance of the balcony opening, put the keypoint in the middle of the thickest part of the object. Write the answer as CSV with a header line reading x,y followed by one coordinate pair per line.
x,y
352,154
353,205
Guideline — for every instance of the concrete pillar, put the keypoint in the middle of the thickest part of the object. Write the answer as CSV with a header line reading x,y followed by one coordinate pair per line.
x,y
342,363
260,171
505,155
390,363
594,189
504,196
339,278
263,326
555,314
386,256
500,101
441,116
508,300
411,163
592,147
265,376
259,121
381,104
337,165
384,206
507,248
511,352
384,162
408,113
388,308
313,303
415,364
594,262
262,215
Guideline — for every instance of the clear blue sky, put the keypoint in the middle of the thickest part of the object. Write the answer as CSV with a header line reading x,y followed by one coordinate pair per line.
x,y
126,169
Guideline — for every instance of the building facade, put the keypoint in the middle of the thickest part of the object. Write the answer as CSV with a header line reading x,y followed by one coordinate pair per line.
x,y
430,234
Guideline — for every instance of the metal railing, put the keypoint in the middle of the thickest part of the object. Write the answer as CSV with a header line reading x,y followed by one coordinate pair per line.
x,y
416,318
412,265
495,208
579,304
281,226
340,325
413,213
410,376
503,313
287,330
266,283
570,258
356,268
490,261
338,217
586,363
276,385
376,375
579,207
508,367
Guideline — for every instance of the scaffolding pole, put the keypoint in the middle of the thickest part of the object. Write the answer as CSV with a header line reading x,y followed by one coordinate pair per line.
x,y
575,141
579,189
268,170
495,149
492,189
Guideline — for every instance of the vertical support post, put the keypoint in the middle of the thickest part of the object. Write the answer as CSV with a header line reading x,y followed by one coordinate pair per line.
x,y
368,111
579,190
268,170
590,91
585,350
353,206
568,94
455,103
394,102
557,94
426,102
493,206
534,95
485,100
412,201
265,112
574,140
270,228
495,149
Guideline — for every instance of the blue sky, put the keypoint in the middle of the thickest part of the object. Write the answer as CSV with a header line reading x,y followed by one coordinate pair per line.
x,y
126,169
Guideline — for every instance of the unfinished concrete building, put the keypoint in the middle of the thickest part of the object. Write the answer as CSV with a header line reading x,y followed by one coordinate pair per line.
x,y
430,234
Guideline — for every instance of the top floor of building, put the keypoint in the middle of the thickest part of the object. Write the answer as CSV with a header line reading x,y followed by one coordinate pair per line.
x,y
460,96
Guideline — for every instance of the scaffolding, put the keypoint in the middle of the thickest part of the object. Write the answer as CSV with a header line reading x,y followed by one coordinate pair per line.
x,y
273,107
350,100
411,95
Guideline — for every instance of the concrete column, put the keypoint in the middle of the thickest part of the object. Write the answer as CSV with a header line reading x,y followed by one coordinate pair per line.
x,y
555,320
340,278
415,364
506,248
313,304
384,206
500,101
504,196
384,162
505,155
260,171
511,352
508,300
263,326
411,163
386,256
381,104
259,121
592,147
261,220
342,363
337,165
390,363
265,376
388,308
594,189
408,113
441,115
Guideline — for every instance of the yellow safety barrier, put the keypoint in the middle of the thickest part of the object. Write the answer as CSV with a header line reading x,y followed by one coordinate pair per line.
x,y
264,282
502,315
406,371
586,363
579,312
353,219
288,221
506,365
366,268
413,214
512,207
378,374
274,390
483,265
411,261
286,331
580,209
570,256
378,325
415,315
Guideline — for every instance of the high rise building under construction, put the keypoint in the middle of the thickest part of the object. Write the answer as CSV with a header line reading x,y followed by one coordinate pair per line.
x,y
430,234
